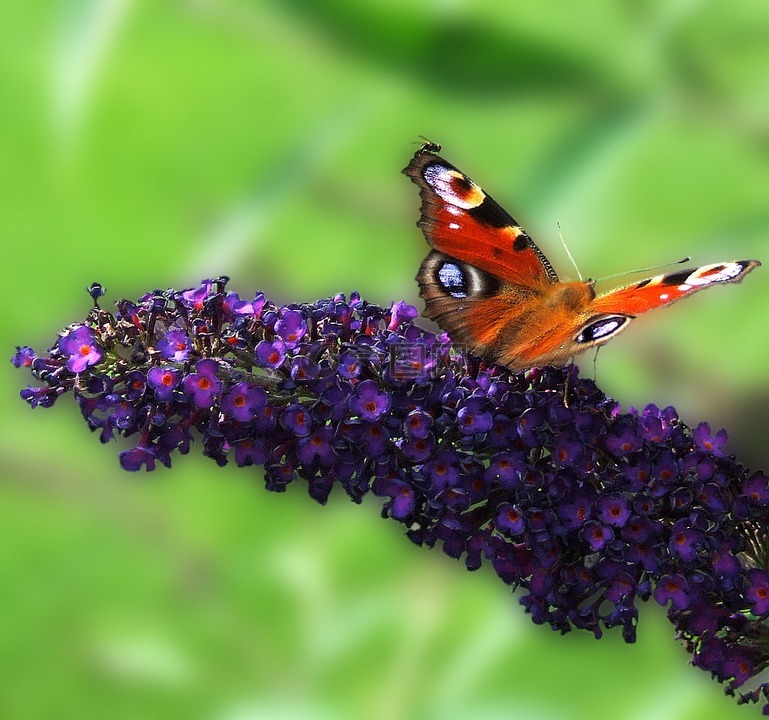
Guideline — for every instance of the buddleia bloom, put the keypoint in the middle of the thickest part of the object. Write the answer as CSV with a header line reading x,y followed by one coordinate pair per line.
x,y
538,475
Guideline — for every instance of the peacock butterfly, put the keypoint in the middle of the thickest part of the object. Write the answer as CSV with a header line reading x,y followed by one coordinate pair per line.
x,y
492,289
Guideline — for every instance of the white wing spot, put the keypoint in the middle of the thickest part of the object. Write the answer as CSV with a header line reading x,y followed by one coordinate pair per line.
x,y
684,288
440,179
720,272
454,226
664,296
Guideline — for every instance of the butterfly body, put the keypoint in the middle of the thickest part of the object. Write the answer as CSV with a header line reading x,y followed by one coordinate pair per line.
x,y
493,290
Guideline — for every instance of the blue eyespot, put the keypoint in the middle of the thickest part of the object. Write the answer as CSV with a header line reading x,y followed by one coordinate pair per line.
x,y
602,328
452,279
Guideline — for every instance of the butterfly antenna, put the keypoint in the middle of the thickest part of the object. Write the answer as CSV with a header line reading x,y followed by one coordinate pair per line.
x,y
640,270
568,252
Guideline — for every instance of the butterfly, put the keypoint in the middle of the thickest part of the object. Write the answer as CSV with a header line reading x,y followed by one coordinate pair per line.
x,y
493,290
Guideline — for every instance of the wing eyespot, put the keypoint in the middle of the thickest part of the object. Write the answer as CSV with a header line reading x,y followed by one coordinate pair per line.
x,y
601,329
452,279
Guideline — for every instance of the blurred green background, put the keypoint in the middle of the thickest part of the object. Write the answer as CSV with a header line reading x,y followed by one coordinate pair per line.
x,y
151,143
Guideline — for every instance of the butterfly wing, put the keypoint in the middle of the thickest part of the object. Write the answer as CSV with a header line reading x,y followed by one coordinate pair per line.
x,y
484,271
460,220
662,290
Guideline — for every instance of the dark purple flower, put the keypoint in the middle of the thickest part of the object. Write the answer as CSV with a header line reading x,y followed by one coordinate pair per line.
x,y
175,346
243,401
417,450
596,535
684,541
369,402
136,458
80,347
510,519
163,381
756,489
271,354
400,313
202,385
297,419
624,438
713,444
474,417
316,447
613,509
349,365
757,593
249,451
23,357
725,564
291,328
672,588
442,469
417,423
39,397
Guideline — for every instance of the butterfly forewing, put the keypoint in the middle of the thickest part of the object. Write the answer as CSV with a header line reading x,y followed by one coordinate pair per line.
x,y
665,289
460,220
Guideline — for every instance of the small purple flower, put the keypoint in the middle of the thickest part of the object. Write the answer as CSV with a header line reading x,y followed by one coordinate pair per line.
x,y
349,365
506,468
665,468
417,449
175,346
401,313
684,541
713,444
369,402
39,396
739,667
757,593
202,385
376,439
474,417
163,381
726,565
297,419
23,357
672,588
243,401
576,512
613,509
756,489
403,496
79,344
417,423
303,368
271,354
250,451
442,469
136,458
624,438
291,328
596,535
316,447
510,519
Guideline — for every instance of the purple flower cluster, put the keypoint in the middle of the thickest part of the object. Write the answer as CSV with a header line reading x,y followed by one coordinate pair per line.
x,y
539,474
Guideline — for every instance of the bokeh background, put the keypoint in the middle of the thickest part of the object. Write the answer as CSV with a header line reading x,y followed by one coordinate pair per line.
x,y
151,143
